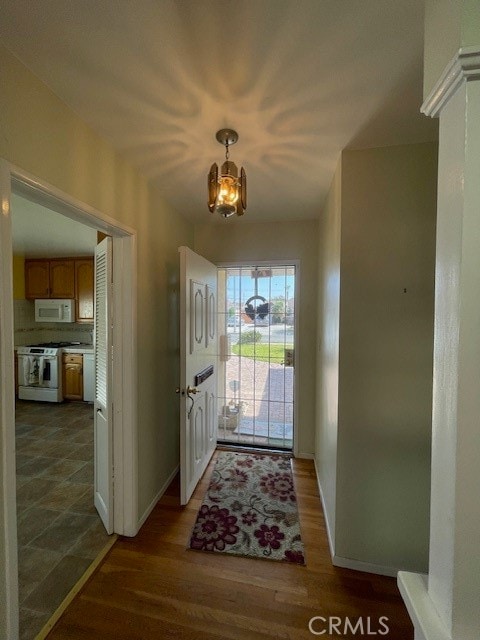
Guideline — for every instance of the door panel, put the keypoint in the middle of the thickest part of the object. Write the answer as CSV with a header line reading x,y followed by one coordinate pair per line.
x,y
211,413
198,352
198,428
211,314
197,324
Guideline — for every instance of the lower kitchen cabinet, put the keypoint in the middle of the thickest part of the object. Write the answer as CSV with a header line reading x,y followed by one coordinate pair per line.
x,y
72,376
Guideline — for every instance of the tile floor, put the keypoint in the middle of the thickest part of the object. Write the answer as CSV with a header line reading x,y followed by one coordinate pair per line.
x,y
59,531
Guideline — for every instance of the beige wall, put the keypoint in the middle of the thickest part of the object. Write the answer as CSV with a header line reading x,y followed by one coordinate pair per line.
x,y
18,277
387,252
237,241
449,25
328,317
41,135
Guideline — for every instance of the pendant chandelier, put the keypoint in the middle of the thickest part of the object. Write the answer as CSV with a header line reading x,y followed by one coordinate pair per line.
x,y
227,191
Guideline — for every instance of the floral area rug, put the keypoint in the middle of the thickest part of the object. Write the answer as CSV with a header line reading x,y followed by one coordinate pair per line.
x,y
250,509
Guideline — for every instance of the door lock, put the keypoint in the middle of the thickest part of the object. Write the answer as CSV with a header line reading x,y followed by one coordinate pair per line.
x,y
189,390
192,390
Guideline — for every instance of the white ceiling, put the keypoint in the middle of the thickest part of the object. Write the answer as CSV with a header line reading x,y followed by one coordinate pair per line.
x,y
299,80
38,232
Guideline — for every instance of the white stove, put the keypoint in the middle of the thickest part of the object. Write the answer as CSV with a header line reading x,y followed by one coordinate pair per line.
x,y
40,371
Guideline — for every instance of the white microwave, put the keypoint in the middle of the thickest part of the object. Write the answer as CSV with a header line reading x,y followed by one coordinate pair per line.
x,y
54,310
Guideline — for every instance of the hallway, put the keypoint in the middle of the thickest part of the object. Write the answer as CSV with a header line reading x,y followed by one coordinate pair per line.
x,y
151,586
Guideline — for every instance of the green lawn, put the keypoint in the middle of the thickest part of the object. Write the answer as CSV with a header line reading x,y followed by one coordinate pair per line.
x,y
264,352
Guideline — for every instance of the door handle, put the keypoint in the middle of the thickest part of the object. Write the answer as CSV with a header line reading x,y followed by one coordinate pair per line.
x,y
190,391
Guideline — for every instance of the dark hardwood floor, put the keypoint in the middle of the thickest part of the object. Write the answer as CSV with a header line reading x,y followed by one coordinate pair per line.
x,y
153,587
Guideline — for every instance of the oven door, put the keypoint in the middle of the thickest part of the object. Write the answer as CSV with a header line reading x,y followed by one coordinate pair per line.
x,y
38,371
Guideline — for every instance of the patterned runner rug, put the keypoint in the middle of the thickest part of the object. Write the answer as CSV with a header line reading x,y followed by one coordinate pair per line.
x,y
250,509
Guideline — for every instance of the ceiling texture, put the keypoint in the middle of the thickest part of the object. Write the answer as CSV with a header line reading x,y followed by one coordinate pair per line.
x,y
299,80
38,232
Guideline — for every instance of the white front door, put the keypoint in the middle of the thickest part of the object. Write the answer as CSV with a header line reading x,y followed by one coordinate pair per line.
x,y
198,368
103,421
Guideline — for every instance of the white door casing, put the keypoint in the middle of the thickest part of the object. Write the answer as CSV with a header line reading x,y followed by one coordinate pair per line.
x,y
8,524
103,414
198,352
124,371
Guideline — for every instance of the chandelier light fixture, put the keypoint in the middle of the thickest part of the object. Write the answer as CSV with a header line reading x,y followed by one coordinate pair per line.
x,y
227,191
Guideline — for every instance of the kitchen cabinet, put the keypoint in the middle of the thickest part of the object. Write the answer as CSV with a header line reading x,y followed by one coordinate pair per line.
x,y
70,278
37,279
84,278
72,376
62,279
49,279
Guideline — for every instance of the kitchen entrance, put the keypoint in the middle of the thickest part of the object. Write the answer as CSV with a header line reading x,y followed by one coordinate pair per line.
x,y
257,353
121,394
59,532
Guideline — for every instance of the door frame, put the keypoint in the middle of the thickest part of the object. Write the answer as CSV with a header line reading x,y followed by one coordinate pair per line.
x,y
296,378
124,384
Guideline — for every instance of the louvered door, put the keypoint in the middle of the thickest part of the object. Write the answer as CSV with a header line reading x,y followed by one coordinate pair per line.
x,y
103,484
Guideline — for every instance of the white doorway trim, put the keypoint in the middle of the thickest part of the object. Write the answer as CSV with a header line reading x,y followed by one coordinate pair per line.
x,y
124,371
296,379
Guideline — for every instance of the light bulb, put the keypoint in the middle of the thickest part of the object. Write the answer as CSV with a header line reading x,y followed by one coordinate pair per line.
x,y
227,191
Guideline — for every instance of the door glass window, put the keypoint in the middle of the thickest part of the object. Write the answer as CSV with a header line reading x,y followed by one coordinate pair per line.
x,y
256,381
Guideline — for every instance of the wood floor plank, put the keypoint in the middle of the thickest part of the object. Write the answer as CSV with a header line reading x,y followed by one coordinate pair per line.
x,y
153,586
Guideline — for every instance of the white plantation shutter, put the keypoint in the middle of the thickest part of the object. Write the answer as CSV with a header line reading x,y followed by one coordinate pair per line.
x,y
103,276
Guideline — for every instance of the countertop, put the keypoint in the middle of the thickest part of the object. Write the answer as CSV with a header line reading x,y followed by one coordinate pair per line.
x,y
81,348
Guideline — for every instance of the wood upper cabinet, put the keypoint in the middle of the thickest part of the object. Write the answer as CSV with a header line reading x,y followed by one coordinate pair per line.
x,y
37,279
70,278
73,376
84,280
62,279
49,279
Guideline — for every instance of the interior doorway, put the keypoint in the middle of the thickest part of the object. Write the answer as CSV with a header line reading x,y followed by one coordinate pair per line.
x,y
257,355
122,453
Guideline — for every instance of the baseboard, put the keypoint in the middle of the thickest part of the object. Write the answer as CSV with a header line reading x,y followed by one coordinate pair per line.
x,y
428,625
325,513
305,456
151,506
349,563
357,565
